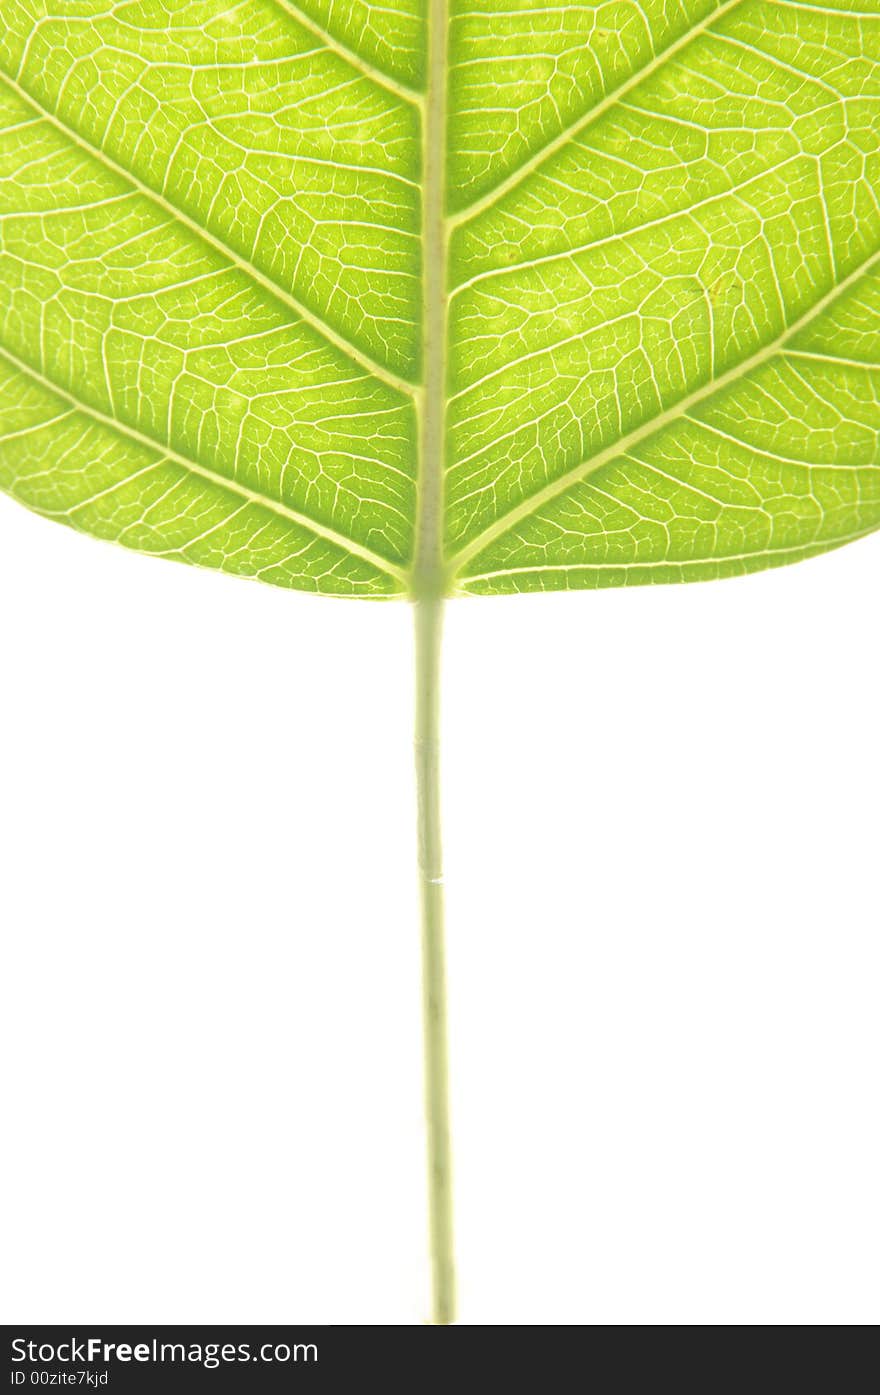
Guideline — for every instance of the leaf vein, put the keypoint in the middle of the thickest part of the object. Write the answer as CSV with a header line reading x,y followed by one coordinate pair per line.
x,y
167,453
795,550
652,427
586,119
177,215
349,55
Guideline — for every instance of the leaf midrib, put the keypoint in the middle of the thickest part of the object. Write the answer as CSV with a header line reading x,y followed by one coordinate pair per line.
x,y
428,571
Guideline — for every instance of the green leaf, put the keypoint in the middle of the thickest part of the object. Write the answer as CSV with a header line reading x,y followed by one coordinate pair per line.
x,y
587,295
417,297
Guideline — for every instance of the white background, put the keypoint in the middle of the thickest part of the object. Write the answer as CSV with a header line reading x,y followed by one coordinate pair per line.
x,y
662,835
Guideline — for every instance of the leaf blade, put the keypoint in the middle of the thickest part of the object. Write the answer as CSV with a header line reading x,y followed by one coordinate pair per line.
x,y
605,301
212,228
140,479
112,300
645,446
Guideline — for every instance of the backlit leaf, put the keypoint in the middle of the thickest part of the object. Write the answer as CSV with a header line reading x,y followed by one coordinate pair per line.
x,y
654,326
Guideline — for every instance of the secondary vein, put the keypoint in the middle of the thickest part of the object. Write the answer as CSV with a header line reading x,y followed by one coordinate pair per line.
x,y
522,172
795,550
656,424
344,346
350,55
165,452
